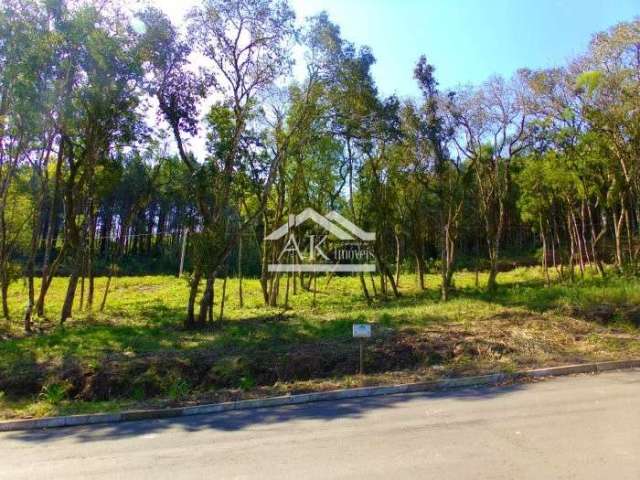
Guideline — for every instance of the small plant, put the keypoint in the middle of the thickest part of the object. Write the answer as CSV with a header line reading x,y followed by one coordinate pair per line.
x,y
53,394
247,383
138,393
178,390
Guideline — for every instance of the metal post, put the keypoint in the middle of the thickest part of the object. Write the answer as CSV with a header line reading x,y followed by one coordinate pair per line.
x,y
362,356
182,253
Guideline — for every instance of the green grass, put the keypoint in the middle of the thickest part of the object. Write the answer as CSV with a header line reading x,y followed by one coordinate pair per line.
x,y
523,324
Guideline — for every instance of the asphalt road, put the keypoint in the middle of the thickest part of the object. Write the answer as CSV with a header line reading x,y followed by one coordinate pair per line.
x,y
582,427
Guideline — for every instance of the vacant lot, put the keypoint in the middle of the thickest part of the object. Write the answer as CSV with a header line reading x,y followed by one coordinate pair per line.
x,y
137,351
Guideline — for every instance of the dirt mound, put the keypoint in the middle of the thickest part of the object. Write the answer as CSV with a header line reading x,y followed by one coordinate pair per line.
x,y
150,375
604,314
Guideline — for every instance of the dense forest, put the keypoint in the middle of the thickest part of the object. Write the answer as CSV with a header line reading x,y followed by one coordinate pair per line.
x,y
101,109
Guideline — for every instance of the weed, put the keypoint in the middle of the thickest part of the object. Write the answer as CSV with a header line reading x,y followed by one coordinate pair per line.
x,y
178,390
137,393
53,393
247,383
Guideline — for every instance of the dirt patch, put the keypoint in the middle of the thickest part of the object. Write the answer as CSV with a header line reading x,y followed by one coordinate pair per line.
x,y
631,313
602,314
605,314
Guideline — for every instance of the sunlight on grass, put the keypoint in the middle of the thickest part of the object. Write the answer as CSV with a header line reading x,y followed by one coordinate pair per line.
x,y
144,314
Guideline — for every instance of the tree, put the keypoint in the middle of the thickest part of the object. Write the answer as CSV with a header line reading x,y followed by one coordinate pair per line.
x,y
26,48
492,128
105,96
246,43
448,177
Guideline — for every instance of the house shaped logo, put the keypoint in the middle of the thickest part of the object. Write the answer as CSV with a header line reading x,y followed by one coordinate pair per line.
x,y
350,252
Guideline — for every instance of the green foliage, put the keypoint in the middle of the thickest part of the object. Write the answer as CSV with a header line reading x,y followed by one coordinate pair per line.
x,y
138,393
247,383
53,393
590,81
178,390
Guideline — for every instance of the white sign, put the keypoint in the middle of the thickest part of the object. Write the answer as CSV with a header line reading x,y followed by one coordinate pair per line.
x,y
361,330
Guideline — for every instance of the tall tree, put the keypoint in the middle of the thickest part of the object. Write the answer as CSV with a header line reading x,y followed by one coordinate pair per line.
x,y
491,129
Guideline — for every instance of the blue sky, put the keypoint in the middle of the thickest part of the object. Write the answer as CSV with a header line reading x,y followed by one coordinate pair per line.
x,y
468,40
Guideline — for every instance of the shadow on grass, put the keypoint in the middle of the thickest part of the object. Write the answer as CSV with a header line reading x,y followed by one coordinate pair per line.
x,y
530,294
535,296
238,420
90,338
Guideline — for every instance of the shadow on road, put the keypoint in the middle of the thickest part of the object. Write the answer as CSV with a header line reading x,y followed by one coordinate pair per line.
x,y
241,419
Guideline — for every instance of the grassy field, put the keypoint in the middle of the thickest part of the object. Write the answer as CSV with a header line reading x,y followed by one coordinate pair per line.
x,y
137,352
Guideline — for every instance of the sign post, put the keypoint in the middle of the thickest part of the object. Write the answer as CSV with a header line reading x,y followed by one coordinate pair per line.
x,y
361,331
183,251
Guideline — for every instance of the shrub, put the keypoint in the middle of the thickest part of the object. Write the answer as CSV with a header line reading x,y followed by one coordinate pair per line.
x,y
247,383
179,390
53,393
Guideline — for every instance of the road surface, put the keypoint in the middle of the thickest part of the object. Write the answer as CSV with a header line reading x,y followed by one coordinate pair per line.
x,y
582,427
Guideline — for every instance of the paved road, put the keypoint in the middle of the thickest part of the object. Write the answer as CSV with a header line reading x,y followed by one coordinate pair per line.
x,y
583,427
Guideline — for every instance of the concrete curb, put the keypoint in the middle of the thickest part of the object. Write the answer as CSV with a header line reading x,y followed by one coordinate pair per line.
x,y
493,379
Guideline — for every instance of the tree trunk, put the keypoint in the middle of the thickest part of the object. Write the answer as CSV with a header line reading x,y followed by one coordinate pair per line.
x,y
617,227
420,271
194,283
47,279
363,284
4,289
29,270
286,292
545,266
572,248
224,295
67,306
492,283
47,271
595,238
448,252
206,301
274,290
82,279
629,236
315,287
240,296
89,272
576,235
387,275
397,238
373,285
264,275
